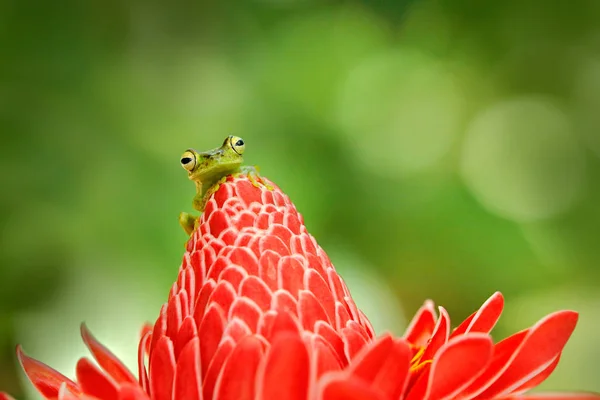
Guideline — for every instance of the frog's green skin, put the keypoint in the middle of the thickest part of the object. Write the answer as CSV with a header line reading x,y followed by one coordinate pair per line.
x,y
209,169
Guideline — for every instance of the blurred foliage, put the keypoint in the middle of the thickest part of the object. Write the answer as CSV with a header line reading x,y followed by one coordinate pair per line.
x,y
437,149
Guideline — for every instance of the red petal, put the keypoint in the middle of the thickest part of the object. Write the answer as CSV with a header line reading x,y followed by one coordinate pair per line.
x,y
539,378
215,367
130,392
544,342
290,275
274,244
281,232
286,370
187,332
283,322
246,259
217,222
256,290
318,287
247,311
210,334
142,352
292,222
283,302
238,377
94,382
422,325
439,337
174,317
503,351
353,342
162,370
310,310
485,318
268,267
188,380
384,364
223,295
109,363
247,192
418,384
457,364
333,338
324,356
45,379
5,396
233,274
341,315
349,389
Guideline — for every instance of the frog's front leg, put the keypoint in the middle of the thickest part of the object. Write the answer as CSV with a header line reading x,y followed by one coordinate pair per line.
x,y
188,222
252,172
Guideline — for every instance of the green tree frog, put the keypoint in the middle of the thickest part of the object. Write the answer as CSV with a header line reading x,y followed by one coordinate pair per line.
x,y
209,169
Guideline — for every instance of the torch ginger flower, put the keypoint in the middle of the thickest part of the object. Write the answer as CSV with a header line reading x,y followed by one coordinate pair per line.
x,y
258,312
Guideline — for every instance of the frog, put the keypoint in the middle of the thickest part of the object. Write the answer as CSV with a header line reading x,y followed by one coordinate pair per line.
x,y
209,169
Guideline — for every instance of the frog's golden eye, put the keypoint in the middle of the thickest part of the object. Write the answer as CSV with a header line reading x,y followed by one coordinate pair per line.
x,y
237,144
188,160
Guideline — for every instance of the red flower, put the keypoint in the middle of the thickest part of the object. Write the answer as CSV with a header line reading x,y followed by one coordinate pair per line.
x,y
258,312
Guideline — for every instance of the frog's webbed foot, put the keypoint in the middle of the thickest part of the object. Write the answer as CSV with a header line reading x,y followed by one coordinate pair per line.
x,y
188,222
253,175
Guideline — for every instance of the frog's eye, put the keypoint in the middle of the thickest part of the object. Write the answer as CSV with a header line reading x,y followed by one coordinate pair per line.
x,y
188,160
238,145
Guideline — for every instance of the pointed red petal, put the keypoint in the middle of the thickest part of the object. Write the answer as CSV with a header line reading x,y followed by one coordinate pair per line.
x,y
349,389
484,319
238,377
162,369
384,364
188,380
5,396
457,364
94,382
539,378
285,373
131,392
503,351
544,341
439,337
45,379
107,360
143,351
422,325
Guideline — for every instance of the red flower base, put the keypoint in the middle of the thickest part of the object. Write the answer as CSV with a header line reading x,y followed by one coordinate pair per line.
x,y
259,312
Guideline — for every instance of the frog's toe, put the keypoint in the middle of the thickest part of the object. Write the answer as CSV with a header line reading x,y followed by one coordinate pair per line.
x,y
188,222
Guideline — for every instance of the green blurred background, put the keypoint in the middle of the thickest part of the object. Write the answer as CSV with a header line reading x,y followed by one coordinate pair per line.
x,y
437,149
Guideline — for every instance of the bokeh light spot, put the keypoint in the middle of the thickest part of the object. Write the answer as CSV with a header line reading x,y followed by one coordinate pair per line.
x,y
587,100
402,110
521,160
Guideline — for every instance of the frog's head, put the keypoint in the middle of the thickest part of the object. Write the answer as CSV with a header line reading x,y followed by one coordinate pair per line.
x,y
214,163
